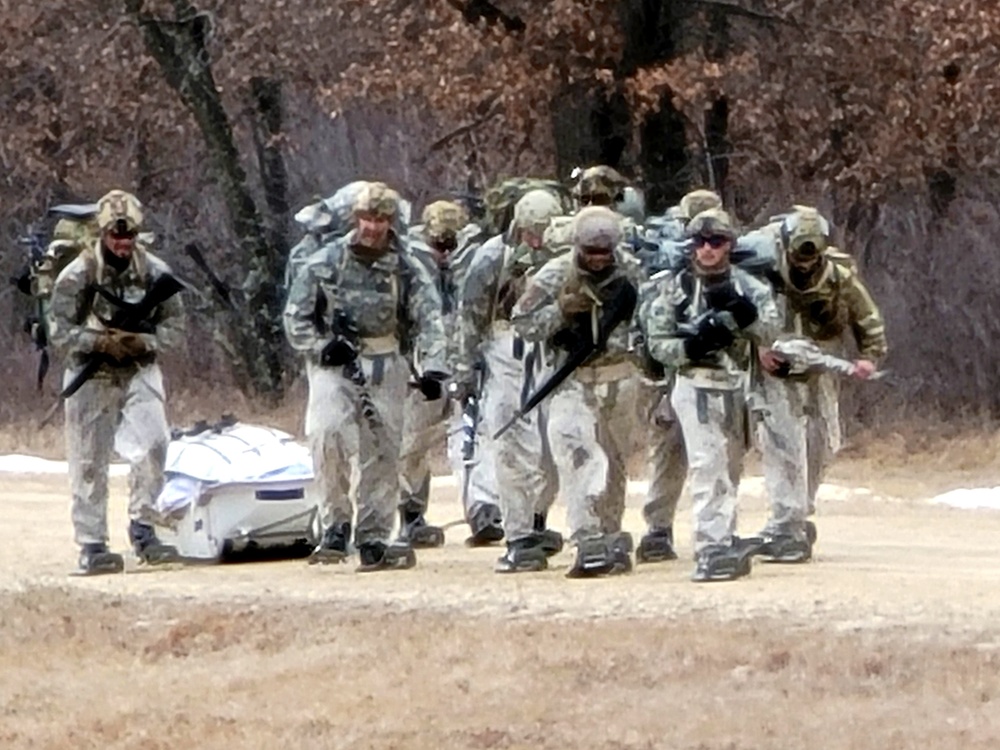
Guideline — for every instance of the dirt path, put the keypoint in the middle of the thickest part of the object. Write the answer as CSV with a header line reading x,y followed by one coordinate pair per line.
x,y
890,637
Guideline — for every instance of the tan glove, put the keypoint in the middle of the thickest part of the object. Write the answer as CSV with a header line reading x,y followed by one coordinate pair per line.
x,y
120,345
573,300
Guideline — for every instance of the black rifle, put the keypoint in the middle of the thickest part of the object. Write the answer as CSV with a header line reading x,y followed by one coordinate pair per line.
x,y
133,317
34,325
471,414
617,309
345,329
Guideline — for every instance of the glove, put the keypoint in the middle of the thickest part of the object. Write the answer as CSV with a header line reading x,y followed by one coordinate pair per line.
x,y
338,352
120,345
724,298
712,336
431,384
572,301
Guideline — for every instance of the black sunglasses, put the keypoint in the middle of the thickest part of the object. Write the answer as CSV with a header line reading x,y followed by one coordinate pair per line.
x,y
714,240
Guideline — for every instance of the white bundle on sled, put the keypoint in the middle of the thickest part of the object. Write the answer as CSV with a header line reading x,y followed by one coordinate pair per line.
x,y
233,487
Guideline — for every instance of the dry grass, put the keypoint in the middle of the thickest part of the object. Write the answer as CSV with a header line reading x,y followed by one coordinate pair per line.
x,y
83,671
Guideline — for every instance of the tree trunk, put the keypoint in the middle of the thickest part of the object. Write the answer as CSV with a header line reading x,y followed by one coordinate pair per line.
x,y
179,46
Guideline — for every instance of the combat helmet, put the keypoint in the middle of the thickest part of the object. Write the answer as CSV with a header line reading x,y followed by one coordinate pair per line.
x,y
377,198
119,208
603,181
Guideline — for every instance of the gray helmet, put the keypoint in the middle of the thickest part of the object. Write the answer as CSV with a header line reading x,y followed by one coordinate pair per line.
x,y
535,210
597,226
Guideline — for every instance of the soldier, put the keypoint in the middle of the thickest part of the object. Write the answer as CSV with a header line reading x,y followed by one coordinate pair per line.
x,y
665,456
120,405
822,298
672,225
525,473
586,299
350,312
699,326
446,242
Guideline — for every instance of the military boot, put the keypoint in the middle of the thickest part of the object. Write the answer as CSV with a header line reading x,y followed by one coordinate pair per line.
x,y
607,554
486,526
148,547
656,546
381,556
332,548
787,546
522,556
551,540
726,562
414,529
95,560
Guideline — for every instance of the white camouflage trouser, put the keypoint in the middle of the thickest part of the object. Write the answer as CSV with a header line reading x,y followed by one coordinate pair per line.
x,y
339,433
666,460
713,422
426,427
124,413
590,424
526,478
799,434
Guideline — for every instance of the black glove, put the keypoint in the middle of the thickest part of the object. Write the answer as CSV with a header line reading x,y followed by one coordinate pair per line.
x,y
431,384
712,336
338,352
724,298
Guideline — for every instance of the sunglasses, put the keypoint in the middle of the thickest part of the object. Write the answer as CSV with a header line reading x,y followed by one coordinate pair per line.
x,y
714,241
596,250
123,235
594,200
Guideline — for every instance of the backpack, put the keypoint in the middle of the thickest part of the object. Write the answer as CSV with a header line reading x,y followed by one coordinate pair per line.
x,y
330,219
502,197
75,230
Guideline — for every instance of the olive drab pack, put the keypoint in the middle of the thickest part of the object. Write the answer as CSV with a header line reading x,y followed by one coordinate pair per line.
x,y
76,229
502,197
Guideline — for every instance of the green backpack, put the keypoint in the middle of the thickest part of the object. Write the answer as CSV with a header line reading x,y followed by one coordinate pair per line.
x,y
48,255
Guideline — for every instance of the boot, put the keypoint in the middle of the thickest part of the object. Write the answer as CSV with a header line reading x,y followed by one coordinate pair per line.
x,y
486,526
95,560
332,548
551,541
607,554
726,562
381,556
656,546
414,530
522,556
787,546
148,547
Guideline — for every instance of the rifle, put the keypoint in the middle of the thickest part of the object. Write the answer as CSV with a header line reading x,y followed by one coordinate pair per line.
x,y
470,427
34,325
343,327
129,316
804,357
616,310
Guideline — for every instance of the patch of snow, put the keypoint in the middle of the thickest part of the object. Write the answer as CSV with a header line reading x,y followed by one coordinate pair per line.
x,y
21,464
970,498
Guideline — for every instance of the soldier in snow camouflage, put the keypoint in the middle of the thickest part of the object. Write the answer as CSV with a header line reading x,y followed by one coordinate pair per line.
x,y
353,310
446,243
122,406
525,473
821,298
561,306
700,326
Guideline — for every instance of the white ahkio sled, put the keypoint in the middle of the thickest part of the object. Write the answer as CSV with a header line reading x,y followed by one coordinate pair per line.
x,y
233,488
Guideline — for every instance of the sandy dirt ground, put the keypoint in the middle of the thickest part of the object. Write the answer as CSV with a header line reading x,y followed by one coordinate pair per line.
x,y
889,639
